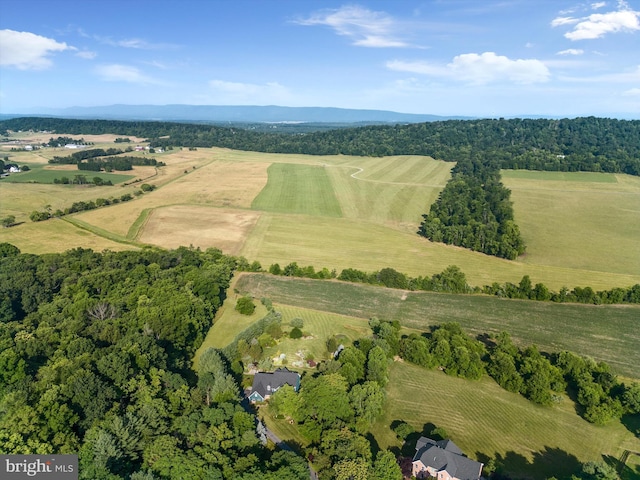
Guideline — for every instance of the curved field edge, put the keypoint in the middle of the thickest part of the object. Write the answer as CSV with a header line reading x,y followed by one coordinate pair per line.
x,y
605,333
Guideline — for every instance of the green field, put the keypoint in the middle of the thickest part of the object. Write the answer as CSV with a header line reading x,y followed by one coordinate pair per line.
x,y
578,220
606,333
360,212
486,421
482,418
41,175
298,189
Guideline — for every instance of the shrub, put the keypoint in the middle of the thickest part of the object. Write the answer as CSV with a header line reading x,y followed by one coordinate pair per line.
x,y
245,306
297,323
295,333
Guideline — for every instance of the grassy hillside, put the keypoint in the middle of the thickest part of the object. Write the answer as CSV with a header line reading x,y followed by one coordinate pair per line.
x,y
298,189
483,419
349,212
489,422
578,220
606,333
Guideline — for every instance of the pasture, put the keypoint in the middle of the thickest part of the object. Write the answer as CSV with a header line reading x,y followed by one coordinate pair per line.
x,y
44,175
358,212
605,333
578,220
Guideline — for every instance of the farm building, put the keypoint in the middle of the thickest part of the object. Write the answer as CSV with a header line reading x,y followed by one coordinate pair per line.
x,y
443,460
266,384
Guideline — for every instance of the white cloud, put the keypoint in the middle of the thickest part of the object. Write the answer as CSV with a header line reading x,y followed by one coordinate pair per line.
x,y
28,51
598,5
480,69
87,54
556,22
365,27
123,73
634,92
571,51
136,43
598,25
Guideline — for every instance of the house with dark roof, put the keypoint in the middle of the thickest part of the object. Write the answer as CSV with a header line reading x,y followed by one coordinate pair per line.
x,y
266,384
443,460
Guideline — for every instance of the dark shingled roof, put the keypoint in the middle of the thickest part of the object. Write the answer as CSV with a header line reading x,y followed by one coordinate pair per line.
x,y
445,455
265,383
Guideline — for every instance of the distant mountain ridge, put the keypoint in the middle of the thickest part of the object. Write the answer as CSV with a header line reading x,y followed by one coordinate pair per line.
x,y
238,113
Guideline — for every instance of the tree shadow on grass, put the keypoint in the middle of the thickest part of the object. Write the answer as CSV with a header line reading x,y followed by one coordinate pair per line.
x,y
626,472
632,423
408,448
550,462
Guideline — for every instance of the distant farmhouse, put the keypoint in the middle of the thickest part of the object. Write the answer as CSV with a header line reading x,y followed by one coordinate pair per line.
x,y
443,460
266,384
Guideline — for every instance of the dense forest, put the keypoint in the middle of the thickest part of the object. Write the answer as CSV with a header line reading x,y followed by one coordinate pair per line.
x,y
95,359
474,211
580,144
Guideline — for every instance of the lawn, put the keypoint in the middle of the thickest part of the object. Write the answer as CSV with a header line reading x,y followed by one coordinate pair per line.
x,y
606,333
486,421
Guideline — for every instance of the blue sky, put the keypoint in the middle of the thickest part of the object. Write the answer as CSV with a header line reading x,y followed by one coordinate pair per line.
x,y
445,57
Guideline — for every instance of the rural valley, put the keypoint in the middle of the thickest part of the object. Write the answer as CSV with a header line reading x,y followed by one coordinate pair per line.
x,y
147,277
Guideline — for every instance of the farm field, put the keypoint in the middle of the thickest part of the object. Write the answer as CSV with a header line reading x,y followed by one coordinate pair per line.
x,y
605,333
483,419
578,220
353,212
44,175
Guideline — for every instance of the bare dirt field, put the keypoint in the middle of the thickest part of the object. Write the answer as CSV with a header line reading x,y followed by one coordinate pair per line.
x,y
204,227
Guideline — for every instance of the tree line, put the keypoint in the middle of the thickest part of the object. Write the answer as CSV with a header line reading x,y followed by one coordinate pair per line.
x,y
540,377
99,159
453,280
82,205
95,359
581,144
474,211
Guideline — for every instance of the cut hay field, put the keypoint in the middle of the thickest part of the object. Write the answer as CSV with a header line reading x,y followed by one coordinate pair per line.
x,y
605,333
206,227
578,220
359,212
55,236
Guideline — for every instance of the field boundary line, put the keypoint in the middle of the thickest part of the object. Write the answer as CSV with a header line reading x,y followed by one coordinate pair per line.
x,y
360,170
99,231
138,225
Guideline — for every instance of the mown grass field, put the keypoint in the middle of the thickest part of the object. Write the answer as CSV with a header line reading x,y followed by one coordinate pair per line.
x,y
578,220
486,421
286,181
42,175
605,333
357,212
482,418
